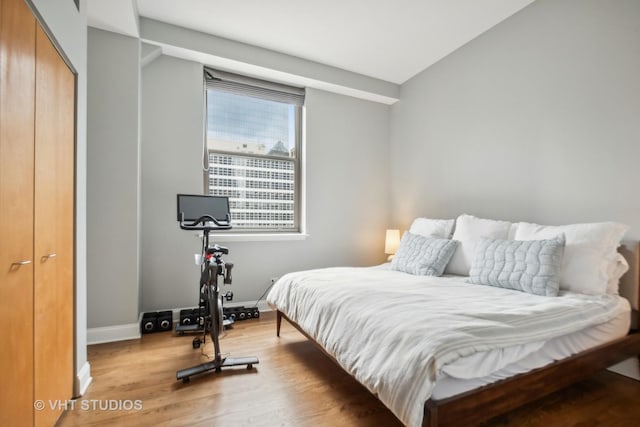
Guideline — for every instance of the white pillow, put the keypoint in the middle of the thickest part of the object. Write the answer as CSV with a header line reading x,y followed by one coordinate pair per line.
x,y
589,252
615,271
439,228
468,232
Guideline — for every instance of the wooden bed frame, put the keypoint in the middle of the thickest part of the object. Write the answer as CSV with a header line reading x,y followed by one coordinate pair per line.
x,y
505,395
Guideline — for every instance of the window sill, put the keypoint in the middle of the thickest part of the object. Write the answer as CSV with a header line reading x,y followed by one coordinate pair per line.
x,y
256,237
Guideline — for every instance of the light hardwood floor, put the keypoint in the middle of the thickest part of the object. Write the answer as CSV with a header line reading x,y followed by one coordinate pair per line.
x,y
294,385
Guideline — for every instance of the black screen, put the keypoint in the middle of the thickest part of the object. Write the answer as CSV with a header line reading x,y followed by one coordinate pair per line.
x,y
195,206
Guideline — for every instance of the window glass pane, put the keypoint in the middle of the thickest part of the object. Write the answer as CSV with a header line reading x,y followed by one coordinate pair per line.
x,y
243,124
261,191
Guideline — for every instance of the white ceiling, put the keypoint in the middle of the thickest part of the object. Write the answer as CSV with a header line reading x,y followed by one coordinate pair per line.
x,y
391,40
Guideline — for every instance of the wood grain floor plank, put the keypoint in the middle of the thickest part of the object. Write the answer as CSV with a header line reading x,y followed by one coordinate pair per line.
x,y
293,385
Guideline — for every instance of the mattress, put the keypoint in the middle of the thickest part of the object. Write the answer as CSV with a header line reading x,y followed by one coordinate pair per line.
x,y
459,376
400,335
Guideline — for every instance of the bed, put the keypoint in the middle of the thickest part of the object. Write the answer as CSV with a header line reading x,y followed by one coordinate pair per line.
x,y
480,347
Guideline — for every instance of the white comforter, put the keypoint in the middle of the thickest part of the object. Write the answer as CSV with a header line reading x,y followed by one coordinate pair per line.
x,y
395,332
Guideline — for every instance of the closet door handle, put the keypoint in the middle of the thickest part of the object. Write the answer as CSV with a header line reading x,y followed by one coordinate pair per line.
x,y
19,263
48,256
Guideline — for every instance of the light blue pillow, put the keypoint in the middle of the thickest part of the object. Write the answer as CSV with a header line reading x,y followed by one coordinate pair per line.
x,y
423,256
531,266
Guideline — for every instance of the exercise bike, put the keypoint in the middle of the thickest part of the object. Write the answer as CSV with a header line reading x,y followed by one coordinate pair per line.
x,y
206,214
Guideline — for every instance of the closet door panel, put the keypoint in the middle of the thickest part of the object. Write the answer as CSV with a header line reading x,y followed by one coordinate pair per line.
x,y
53,228
17,70
65,208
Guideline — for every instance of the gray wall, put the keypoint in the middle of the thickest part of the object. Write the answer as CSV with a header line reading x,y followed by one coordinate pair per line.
x,y
68,27
112,181
538,119
346,188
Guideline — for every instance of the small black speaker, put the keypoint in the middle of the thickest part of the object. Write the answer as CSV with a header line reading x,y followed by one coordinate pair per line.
x,y
149,323
188,317
165,320
231,313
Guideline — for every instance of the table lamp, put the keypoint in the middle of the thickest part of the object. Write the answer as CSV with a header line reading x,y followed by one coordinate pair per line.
x,y
391,243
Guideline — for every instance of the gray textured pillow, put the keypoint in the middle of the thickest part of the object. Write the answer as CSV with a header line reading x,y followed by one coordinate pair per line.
x,y
531,266
423,256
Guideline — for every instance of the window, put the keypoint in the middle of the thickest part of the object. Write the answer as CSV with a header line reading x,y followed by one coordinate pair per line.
x,y
253,145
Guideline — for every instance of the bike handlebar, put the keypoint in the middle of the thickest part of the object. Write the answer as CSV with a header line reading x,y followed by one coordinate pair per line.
x,y
219,225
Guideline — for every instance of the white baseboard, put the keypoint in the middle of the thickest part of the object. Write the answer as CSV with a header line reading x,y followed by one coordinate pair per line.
x,y
629,368
113,333
82,380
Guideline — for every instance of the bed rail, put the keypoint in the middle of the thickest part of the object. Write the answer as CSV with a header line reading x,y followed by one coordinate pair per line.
x,y
503,396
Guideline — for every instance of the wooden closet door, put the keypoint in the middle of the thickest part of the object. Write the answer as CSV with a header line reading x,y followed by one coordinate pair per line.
x,y
53,229
17,70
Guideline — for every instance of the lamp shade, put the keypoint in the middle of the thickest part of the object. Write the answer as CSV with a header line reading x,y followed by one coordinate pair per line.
x,y
391,242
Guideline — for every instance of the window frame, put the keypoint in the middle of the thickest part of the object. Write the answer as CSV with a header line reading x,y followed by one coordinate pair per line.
x,y
298,228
